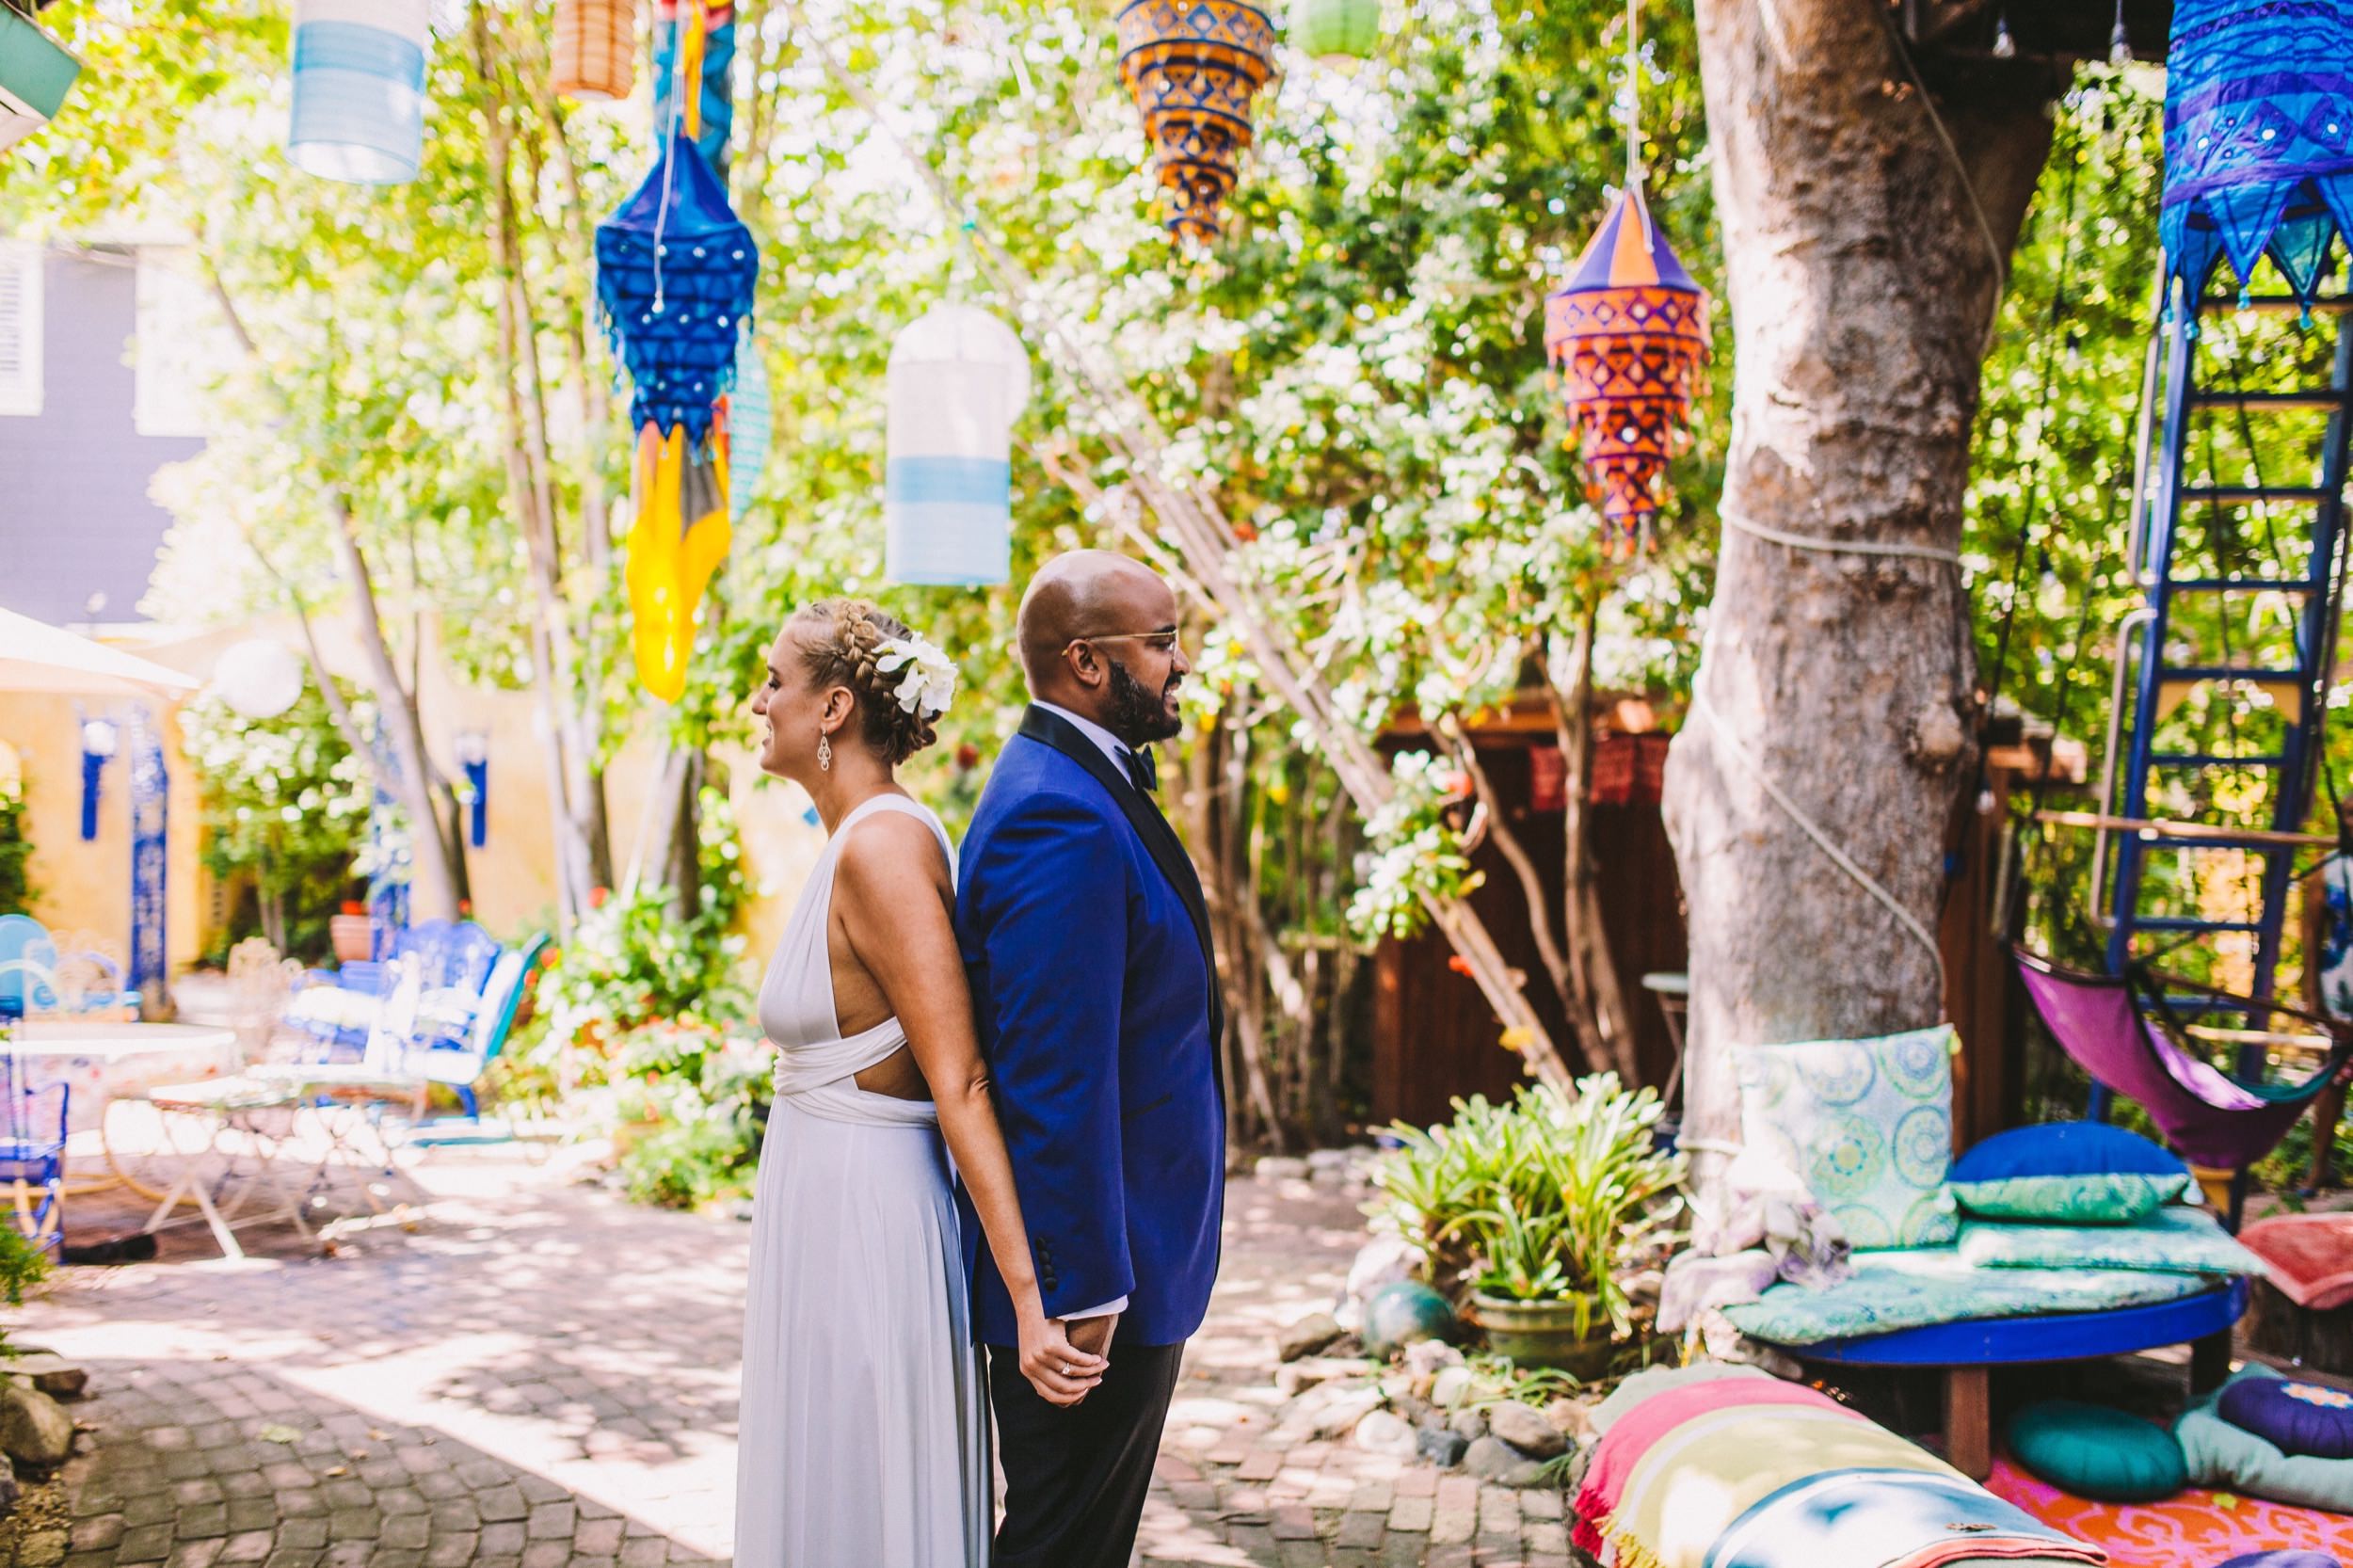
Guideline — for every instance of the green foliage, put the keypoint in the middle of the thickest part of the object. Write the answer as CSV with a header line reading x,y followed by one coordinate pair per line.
x,y
631,962
1545,1198
16,844
1416,852
21,1263
286,805
708,1099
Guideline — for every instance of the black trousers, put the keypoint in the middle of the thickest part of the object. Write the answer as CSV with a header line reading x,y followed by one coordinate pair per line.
x,y
1075,1479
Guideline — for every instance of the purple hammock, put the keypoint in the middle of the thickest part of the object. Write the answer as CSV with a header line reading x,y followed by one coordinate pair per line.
x,y
2209,1117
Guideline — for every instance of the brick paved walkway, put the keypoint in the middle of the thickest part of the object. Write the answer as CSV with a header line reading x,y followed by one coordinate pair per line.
x,y
543,1375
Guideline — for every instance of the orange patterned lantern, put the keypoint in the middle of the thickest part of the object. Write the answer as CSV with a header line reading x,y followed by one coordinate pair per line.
x,y
1193,67
595,55
1625,337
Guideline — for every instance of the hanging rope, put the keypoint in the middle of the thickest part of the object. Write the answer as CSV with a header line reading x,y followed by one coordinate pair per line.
x,y
1840,547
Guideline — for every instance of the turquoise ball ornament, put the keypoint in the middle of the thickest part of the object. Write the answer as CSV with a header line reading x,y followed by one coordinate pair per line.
x,y
1398,1315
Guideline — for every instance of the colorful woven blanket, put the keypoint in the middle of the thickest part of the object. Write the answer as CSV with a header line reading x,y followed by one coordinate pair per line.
x,y
1744,1473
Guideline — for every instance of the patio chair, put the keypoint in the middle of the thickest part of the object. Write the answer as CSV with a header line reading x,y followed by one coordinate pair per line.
x,y
461,1066
88,975
32,1151
2125,1036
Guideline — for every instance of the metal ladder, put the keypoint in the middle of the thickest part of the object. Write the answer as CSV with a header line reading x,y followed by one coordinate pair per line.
x,y
2188,548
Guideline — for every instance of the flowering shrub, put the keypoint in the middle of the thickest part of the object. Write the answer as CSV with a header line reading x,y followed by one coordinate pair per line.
x,y
632,961
690,1106
1414,850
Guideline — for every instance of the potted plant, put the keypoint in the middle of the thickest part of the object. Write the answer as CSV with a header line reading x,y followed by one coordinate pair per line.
x,y
352,933
1586,1192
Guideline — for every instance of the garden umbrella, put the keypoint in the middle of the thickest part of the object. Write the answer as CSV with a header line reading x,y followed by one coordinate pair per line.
x,y
37,657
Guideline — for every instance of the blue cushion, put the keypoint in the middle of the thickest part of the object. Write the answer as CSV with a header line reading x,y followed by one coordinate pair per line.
x,y
2294,1418
2097,1452
2072,1172
2282,1560
2230,1458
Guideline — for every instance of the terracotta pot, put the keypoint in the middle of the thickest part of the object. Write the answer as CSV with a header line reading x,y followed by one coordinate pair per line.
x,y
353,938
1547,1332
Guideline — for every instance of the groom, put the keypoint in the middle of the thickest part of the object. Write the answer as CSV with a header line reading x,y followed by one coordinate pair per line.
x,y
1087,944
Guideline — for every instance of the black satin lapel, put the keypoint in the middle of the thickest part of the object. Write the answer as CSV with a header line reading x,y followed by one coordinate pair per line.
x,y
1167,850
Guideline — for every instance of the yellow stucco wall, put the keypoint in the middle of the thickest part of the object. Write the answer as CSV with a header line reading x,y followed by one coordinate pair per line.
x,y
87,886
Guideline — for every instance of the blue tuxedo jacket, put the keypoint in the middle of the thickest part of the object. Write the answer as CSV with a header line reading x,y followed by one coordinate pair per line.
x,y
1087,944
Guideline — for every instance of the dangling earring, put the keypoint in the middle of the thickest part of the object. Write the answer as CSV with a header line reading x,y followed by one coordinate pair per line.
x,y
825,754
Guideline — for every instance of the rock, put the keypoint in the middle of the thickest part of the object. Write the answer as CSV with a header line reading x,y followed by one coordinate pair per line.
x,y
8,1488
1281,1167
1525,1428
1490,1458
1441,1447
1343,1415
34,1427
1572,1419
1520,1477
1450,1387
1295,1378
1431,1356
1382,1261
1398,1315
1643,1288
1469,1424
1327,1165
1307,1337
52,1374
1384,1434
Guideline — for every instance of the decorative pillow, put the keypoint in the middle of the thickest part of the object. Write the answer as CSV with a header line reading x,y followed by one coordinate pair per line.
x,y
2072,1172
2295,1417
1868,1123
2173,1241
2097,1452
2232,1459
2282,1560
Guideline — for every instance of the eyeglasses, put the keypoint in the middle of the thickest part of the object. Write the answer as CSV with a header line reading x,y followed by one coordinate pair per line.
x,y
1166,644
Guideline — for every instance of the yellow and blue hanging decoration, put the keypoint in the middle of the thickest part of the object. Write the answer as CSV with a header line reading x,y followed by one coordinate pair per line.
x,y
1626,336
2258,139
1192,66
676,274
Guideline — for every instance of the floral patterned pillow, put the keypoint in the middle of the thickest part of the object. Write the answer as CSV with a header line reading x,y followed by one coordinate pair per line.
x,y
1868,1123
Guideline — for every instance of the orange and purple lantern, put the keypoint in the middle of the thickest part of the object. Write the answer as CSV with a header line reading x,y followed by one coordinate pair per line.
x,y
1625,336
1193,67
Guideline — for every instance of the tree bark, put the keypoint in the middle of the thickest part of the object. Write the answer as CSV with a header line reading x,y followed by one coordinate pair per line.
x,y
1862,276
1592,969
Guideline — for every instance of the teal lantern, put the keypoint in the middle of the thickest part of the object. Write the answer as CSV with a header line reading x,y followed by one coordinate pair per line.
x,y
751,426
1336,29
34,75
1398,1315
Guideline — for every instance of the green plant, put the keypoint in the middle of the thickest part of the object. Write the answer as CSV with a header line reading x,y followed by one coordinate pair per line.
x,y
707,1096
1544,1199
21,1264
16,847
632,961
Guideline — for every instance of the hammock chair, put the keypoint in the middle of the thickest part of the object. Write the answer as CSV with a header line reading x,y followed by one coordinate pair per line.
x,y
2124,1034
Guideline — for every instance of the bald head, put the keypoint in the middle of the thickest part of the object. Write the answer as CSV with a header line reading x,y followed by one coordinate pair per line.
x,y
1122,618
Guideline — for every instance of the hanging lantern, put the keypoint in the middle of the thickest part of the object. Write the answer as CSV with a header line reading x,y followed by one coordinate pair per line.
x,y
1625,336
1192,66
710,110
1336,29
359,89
35,74
675,271
594,53
2258,140
958,380
751,426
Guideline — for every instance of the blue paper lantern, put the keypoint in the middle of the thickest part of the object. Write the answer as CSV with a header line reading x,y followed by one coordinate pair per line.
x,y
958,380
359,89
751,427
675,274
2258,139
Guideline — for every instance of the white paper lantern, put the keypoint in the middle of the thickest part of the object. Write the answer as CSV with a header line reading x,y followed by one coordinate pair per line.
x,y
260,679
359,89
958,380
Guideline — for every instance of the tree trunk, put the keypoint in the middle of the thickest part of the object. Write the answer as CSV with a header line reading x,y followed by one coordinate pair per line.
x,y
1592,969
1863,277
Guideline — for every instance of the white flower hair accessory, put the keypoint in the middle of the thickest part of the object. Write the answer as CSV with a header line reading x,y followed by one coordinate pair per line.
x,y
930,681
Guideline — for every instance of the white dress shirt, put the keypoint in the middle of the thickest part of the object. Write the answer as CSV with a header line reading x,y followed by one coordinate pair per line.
x,y
1117,751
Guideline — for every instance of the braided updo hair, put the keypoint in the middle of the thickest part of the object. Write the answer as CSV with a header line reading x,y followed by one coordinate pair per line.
x,y
842,651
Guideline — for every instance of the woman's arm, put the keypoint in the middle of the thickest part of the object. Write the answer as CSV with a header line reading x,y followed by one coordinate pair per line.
x,y
891,893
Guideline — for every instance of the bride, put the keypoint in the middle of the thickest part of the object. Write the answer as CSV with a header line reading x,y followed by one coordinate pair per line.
x,y
864,1439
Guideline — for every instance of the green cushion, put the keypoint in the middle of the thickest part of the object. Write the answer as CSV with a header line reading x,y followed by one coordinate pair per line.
x,y
1868,1125
2097,1452
2230,1459
2071,1199
2173,1239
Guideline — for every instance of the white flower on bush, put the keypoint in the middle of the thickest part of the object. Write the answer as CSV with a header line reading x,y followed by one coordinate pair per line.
x,y
930,681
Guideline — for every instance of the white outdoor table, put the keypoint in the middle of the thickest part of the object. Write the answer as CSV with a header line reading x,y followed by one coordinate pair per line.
x,y
101,1063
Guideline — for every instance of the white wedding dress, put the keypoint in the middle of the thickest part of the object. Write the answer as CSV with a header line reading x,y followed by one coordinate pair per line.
x,y
864,1434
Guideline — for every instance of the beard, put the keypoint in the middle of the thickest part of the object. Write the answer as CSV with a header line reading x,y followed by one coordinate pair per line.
x,y
1139,716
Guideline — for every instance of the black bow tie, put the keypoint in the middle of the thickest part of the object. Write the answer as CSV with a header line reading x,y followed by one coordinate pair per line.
x,y
1142,771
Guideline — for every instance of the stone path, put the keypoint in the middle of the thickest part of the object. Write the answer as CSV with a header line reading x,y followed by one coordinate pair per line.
x,y
542,1374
